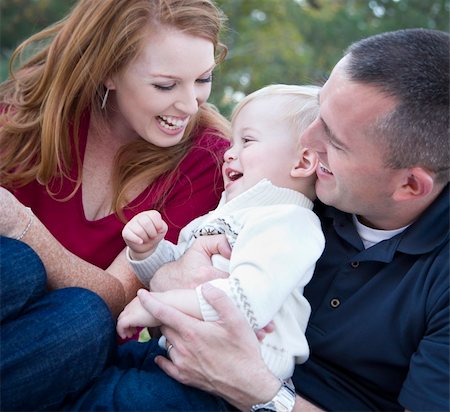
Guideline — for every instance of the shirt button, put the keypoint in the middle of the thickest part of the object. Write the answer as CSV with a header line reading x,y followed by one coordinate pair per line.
x,y
354,265
334,303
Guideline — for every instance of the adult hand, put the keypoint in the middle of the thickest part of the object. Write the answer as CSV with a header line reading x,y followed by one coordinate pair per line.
x,y
220,357
194,267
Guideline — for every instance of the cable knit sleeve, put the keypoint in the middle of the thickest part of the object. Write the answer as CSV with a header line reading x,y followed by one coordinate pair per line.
x,y
146,268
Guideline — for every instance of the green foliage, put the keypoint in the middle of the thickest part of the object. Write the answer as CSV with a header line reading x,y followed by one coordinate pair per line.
x,y
21,18
269,41
299,41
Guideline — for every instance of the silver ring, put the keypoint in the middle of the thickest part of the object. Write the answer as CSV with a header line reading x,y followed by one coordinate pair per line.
x,y
169,348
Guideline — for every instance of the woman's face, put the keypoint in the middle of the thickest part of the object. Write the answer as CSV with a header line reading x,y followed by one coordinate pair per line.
x,y
159,91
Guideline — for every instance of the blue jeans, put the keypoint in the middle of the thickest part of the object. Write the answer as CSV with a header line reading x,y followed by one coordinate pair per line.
x,y
136,383
53,343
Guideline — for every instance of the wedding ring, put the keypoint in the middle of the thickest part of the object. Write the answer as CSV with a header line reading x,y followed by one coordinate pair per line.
x,y
169,348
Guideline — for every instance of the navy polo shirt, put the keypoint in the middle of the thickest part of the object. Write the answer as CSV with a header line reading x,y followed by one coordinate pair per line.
x,y
379,328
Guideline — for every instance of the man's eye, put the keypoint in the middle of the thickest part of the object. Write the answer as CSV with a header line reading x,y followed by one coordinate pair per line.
x,y
206,79
160,87
333,144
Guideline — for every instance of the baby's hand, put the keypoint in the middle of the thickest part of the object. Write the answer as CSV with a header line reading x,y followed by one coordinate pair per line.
x,y
143,233
133,316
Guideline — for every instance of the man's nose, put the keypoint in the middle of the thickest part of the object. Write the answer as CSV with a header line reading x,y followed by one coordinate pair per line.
x,y
310,137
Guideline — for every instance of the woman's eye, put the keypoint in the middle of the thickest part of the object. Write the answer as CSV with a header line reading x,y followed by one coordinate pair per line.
x,y
160,87
206,79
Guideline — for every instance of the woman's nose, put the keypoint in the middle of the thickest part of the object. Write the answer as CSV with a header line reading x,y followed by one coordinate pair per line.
x,y
188,102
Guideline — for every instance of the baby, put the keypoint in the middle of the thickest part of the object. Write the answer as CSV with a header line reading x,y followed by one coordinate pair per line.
x,y
266,214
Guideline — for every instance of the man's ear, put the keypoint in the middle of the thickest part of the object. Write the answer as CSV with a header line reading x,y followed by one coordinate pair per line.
x,y
306,164
416,182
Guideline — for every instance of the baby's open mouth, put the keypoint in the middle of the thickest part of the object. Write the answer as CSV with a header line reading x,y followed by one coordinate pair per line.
x,y
233,175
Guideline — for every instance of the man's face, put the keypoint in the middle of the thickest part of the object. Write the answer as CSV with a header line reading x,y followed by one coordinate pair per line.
x,y
351,172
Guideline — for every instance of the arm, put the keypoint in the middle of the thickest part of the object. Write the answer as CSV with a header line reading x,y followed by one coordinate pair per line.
x,y
147,250
177,274
134,315
194,267
194,357
64,269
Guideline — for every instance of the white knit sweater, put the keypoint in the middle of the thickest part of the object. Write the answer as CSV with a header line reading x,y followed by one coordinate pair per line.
x,y
276,240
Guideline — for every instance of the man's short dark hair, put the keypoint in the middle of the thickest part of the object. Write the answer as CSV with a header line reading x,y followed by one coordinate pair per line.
x,y
412,66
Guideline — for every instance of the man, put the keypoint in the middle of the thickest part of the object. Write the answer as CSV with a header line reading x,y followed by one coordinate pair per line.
x,y
379,329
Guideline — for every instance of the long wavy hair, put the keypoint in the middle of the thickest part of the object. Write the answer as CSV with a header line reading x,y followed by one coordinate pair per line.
x,y
63,79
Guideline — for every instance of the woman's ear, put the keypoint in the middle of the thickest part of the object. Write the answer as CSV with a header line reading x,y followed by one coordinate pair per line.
x,y
306,164
109,84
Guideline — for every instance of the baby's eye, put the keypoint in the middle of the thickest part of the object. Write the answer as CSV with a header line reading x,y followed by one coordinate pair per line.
x,y
161,87
246,140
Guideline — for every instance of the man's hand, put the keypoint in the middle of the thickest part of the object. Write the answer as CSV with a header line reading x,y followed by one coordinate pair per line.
x,y
220,357
194,267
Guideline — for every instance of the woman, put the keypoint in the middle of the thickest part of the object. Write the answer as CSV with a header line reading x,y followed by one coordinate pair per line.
x,y
107,119
110,119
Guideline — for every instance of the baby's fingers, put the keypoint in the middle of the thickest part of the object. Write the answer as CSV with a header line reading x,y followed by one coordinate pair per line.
x,y
131,237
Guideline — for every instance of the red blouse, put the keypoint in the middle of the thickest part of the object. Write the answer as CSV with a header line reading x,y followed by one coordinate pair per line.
x,y
196,191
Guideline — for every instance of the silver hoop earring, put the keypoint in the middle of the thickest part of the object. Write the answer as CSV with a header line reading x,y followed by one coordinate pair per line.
x,y
105,98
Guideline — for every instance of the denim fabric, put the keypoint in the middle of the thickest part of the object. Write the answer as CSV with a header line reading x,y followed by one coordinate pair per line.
x,y
53,343
136,383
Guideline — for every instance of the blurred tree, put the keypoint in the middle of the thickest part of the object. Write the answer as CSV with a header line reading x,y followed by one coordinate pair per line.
x,y
299,41
21,18
270,41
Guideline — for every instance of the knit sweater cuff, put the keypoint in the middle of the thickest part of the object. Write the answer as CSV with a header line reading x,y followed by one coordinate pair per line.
x,y
208,312
146,268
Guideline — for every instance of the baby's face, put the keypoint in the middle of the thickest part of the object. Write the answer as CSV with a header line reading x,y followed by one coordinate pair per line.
x,y
263,146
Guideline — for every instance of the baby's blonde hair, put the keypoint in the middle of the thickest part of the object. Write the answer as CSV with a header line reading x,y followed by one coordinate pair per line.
x,y
301,103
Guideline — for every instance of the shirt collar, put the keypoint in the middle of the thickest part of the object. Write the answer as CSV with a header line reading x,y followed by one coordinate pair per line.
x,y
429,231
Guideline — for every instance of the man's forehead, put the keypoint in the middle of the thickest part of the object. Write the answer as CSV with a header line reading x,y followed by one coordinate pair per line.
x,y
335,81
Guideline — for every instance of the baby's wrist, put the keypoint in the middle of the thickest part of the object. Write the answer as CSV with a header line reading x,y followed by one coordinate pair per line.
x,y
134,255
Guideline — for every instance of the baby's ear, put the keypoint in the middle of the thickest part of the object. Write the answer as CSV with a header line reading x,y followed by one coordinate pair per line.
x,y
306,165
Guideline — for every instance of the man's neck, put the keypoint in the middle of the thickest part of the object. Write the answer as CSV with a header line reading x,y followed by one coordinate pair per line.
x,y
401,214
